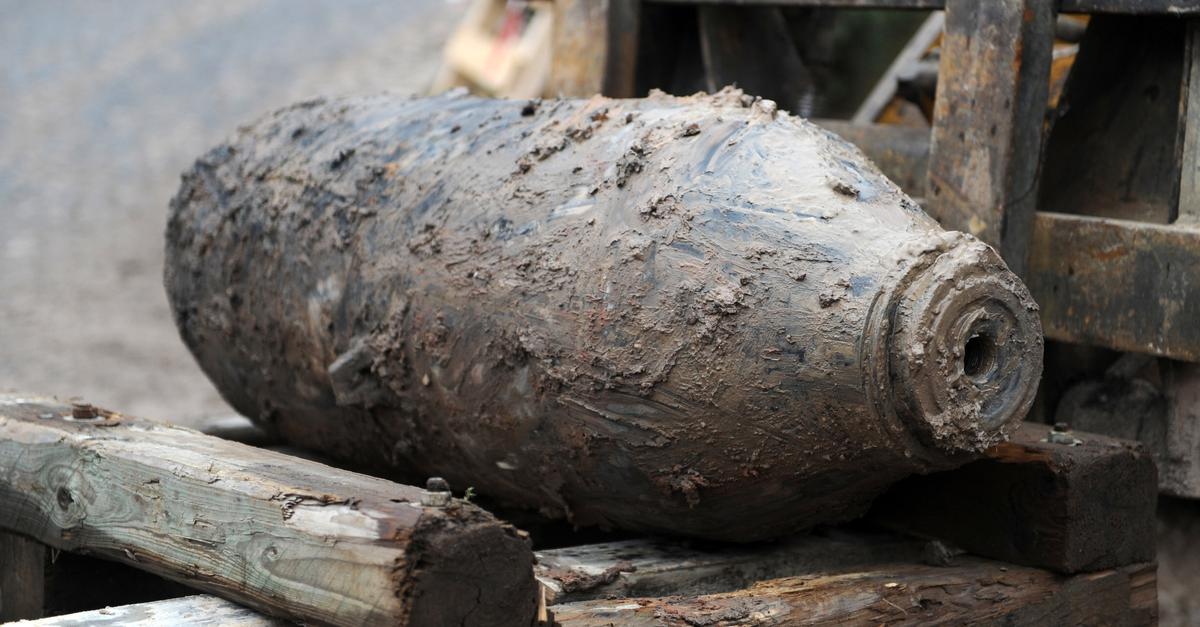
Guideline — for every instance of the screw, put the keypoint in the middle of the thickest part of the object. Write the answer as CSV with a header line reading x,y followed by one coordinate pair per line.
x,y
1060,433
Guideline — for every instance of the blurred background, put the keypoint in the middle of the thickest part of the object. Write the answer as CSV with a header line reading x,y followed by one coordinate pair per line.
x,y
102,106
104,103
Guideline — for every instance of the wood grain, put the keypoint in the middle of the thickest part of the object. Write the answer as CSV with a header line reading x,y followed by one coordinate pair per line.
x,y
988,118
286,536
974,591
655,567
199,610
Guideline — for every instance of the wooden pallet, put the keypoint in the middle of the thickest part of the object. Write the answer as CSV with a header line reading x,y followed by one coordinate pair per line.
x,y
1070,514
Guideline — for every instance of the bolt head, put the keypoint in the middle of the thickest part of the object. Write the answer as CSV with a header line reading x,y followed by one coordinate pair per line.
x,y
83,411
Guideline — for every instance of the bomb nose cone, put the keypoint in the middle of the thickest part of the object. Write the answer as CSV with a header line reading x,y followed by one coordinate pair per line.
x,y
965,353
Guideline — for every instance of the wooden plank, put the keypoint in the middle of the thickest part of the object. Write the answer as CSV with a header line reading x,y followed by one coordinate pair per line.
x,y
885,89
1179,8
580,46
972,591
654,567
1076,503
199,610
22,577
1124,285
993,81
288,537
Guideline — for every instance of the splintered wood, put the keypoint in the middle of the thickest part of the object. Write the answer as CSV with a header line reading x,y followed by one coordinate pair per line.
x,y
288,537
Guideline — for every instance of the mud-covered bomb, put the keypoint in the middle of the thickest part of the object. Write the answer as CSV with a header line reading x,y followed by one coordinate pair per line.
x,y
695,315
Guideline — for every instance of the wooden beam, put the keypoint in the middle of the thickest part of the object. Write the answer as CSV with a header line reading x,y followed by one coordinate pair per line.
x,y
885,88
1119,284
580,46
1076,503
972,591
190,611
289,537
22,577
648,568
993,81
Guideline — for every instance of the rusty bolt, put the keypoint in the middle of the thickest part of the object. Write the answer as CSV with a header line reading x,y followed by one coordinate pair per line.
x,y
437,493
83,411
1060,433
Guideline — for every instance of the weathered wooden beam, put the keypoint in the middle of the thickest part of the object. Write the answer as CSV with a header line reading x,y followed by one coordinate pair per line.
x,y
1120,284
649,568
190,611
22,577
993,80
972,591
289,537
1070,502
1130,7
580,46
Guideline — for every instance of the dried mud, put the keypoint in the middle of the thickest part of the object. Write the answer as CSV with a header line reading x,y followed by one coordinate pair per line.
x,y
694,315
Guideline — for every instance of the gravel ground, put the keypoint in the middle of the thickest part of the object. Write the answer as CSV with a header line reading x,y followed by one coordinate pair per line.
x,y
104,103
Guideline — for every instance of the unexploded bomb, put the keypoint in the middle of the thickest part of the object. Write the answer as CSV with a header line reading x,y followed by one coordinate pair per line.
x,y
693,315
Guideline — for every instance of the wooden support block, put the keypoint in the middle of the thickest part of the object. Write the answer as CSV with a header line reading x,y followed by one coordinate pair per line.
x,y
190,611
1063,506
993,80
974,591
648,568
22,577
288,537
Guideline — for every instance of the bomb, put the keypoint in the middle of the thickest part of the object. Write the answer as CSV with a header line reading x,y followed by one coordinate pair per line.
x,y
694,315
